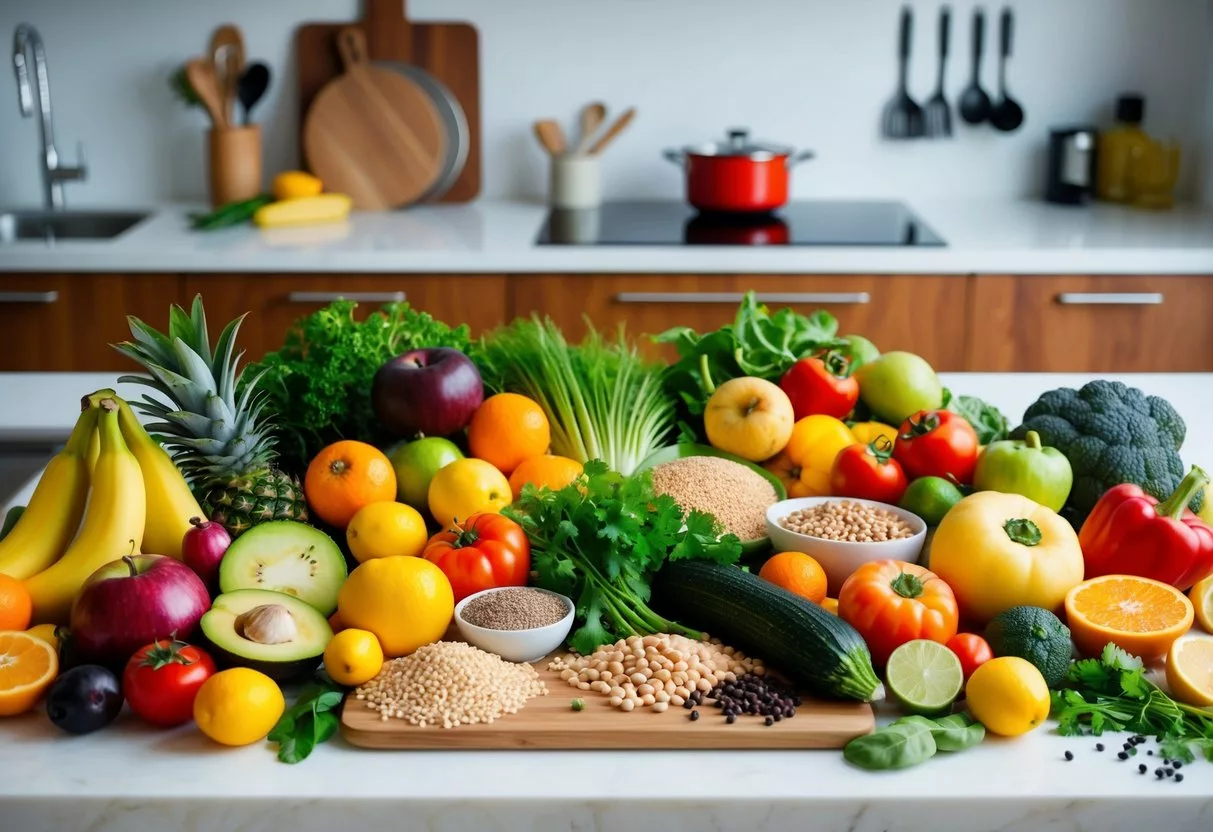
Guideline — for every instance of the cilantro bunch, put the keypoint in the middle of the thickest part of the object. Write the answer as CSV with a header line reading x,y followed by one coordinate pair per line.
x,y
1112,693
600,540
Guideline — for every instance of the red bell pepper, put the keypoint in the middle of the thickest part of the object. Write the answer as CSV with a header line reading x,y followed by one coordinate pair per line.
x,y
1130,532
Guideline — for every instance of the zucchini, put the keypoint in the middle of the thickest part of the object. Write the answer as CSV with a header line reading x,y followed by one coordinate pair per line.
x,y
818,651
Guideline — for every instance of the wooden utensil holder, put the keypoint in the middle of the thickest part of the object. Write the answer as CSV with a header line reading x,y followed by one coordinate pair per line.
x,y
234,162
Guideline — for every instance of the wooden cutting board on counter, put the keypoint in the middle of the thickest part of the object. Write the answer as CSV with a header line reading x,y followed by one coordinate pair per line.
x,y
448,51
549,722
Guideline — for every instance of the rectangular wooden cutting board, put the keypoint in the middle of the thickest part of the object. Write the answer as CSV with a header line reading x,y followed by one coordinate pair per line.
x,y
550,722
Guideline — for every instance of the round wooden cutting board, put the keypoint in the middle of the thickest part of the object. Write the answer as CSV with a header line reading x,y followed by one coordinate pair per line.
x,y
374,134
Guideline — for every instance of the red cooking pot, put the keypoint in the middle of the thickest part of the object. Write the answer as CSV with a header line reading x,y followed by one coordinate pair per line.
x,y
737,175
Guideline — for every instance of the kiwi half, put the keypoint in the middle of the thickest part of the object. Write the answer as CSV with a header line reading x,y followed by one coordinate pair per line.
x,y
288,557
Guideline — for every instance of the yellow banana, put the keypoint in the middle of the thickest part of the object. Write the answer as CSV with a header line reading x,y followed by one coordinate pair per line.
x,y
93,451
54,511
113,524
170,503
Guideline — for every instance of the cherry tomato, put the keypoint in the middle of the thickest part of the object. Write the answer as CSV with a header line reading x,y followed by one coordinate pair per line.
x,y
971,649
821,384
891,602
937,443
868,472
485,552
161,680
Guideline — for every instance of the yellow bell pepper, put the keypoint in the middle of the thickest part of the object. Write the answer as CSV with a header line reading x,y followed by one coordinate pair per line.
x,y
999,551
804,464
867,432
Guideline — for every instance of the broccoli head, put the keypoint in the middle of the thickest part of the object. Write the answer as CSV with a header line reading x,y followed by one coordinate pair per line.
x,y
1111,433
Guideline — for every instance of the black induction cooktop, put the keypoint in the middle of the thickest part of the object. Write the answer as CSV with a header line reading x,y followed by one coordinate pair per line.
x,y
671,223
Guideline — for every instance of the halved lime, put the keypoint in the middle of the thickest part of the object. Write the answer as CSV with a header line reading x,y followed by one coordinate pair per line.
x,y
925,677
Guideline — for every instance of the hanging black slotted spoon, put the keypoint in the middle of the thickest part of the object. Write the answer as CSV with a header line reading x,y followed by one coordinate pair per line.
x,y
902,115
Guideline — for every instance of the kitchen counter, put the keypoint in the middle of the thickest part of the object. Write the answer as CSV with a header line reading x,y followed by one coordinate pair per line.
x,y
499,238
131,778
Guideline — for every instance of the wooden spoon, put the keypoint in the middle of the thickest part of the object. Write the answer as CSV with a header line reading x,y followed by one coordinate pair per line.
x,y
550,135
592,117
614,130
227,55
201,75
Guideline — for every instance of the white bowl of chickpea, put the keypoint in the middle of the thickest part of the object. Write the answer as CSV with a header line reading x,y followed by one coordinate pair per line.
x,y
844,533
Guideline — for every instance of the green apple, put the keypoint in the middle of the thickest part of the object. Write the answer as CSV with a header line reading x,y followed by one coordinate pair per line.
x,y
416,463
1023,466
897,385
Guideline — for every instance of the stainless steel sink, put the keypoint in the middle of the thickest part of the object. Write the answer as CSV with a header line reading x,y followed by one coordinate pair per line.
x,y
66,225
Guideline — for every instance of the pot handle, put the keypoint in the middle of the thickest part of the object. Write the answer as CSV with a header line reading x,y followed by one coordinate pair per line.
x,y
802,156
674,156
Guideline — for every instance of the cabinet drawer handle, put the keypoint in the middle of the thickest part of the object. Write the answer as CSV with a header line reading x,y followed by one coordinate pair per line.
x,y
361,297
29,297
1110,298
846,298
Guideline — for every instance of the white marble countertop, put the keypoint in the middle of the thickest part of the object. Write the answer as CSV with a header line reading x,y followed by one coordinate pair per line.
x,y
989,237
130,778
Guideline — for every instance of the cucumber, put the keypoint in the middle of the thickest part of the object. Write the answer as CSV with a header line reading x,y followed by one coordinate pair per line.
x,y
818,651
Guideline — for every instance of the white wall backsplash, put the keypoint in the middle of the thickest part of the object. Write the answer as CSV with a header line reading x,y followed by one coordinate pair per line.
x,y
812,73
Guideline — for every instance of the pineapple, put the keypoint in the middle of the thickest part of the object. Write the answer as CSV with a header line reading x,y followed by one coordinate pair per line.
x,y
211,425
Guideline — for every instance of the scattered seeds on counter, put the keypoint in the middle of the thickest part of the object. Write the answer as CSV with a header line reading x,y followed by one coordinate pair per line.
x,y
450,683
755,696
849,522
735,495
578,705
515,608
1142,768
1069,755
1099,746
1179,778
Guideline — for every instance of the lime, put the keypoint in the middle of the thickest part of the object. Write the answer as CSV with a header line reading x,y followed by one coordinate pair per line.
x,y
930,498
925,676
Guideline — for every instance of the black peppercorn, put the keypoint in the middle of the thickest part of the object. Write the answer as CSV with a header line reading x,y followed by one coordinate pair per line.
x,y
1178,764
730,719
1150,752
1141,769
1122,755
1168,771
1099,746
1069,755
768,721
694,715
1158,773
1179,778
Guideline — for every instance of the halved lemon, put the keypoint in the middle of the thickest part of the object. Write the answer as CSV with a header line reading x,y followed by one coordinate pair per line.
x,y
1202,599
28,665
1190,670
1140,615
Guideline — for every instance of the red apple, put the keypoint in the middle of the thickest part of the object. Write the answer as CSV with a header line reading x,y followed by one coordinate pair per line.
x,y
202,550
431,391
135,601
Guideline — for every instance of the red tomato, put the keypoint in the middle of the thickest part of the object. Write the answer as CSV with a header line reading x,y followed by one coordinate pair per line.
x,y
937,443
821,385
161,680
485,552
972,651
891,602
868,472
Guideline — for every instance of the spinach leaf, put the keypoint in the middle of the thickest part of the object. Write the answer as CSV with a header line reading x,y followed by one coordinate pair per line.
x,y
952,733
309,722
900,745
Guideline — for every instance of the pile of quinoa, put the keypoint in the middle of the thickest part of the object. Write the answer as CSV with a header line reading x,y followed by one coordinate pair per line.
x,y
730,492
515,608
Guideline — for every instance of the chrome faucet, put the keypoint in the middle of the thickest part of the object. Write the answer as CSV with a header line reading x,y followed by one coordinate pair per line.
x,y
26,42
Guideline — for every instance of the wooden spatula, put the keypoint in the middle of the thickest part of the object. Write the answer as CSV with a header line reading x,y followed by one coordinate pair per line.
x,y
227,56
614,130
551,136
592,117
201,75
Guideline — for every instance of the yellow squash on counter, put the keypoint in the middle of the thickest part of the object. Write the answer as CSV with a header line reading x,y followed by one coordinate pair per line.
x,y
303,210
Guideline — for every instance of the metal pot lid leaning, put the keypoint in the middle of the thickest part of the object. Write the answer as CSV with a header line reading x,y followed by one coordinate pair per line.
x,y
739,144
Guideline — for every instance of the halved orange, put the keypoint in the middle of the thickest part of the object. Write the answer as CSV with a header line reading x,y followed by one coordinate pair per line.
x,y
1140,615
28,665
1202,599
1190,671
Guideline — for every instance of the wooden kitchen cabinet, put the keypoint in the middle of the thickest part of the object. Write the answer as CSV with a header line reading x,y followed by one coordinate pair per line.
x,y
1074,323
275,301
66,321
921,314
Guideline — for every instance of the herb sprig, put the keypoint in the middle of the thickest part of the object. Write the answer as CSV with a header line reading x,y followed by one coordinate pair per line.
x,y
1112,693
309,722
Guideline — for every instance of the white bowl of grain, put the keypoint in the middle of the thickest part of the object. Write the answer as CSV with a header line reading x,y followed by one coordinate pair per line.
x,y
518,623
843,533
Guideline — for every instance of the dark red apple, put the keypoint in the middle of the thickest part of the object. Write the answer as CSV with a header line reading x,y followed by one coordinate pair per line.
x,y
431,391
202,550
135,601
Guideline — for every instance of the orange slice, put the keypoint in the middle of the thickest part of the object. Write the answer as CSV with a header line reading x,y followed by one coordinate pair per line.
x,y
28,665
1190,671
1202,599
1140,615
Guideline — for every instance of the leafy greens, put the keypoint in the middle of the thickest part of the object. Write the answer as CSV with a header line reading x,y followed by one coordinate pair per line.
x,y
599,541
988,421
310,721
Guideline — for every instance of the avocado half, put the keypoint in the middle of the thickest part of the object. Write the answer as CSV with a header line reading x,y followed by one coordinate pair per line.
x,y
230,645
286,556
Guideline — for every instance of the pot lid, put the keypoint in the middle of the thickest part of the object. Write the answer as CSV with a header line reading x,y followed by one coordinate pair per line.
x,y
739,143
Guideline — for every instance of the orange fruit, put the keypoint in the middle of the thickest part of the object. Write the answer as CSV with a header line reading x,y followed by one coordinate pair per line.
x,y
28,665
1139,615
1190,671
15,604
508,429
797,573
346,476
554,472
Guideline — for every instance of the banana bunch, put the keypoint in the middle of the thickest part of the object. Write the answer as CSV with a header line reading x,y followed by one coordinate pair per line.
x,y
111,490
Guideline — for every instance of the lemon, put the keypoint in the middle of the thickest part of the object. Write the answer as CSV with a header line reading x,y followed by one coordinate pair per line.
x,y
292,184
238,706
1201,597
353,657
405,602
466,487
1190,671
385,529
1008,696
